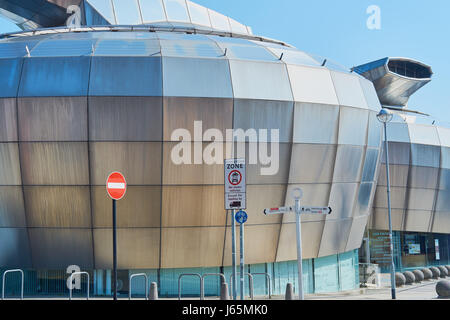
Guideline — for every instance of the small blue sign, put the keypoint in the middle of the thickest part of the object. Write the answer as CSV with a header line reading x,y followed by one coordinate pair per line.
x,y
241,217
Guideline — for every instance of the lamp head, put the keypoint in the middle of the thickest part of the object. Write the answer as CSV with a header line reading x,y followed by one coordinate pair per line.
x,y
385,116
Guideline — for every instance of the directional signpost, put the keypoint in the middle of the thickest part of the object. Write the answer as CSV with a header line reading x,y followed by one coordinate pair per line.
x,y
241,218
235,199
116,186
297,194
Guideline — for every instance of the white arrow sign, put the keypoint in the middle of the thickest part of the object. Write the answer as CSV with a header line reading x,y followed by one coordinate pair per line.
x,y
279,210
305,210
316,210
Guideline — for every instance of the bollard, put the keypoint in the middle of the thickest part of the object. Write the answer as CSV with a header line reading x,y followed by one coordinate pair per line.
x,y
436,272
444,271
443,289
224,291
419,276
400,279
289,292
410,278
153,291
427,274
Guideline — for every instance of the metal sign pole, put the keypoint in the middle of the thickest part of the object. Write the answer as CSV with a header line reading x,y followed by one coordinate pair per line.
x,y
233,253
299,249
391,243
241,251
298,210
114,250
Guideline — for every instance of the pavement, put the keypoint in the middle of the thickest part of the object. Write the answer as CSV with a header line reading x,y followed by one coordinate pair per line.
x,y
423,291
419,291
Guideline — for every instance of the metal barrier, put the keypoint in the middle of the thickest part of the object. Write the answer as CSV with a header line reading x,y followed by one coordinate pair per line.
x,y
193,275
71,283
269,280
4,281
211,274
146,284
250,283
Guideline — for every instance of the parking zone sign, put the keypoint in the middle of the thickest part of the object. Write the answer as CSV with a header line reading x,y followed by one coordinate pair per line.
x,y
235,184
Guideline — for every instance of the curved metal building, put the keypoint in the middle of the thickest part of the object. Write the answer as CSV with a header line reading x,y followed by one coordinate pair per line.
x,y
77,104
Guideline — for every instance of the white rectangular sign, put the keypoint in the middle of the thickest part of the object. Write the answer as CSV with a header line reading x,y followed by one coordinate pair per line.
x,y
235,184
235,201
316,210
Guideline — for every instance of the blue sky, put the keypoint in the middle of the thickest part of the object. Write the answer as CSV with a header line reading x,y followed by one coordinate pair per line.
x,y
337,30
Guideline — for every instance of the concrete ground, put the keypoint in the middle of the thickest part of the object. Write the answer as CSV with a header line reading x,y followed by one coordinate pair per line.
x,y
420,291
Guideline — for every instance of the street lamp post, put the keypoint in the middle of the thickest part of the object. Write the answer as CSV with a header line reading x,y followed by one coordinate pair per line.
x,y
384,117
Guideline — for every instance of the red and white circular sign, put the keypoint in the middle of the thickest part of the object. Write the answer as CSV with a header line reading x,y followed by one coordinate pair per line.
x,y
116,185
235,177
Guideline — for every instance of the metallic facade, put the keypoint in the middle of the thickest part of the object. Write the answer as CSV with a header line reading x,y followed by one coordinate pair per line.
x,y
418,161
418,152
81,105
396,79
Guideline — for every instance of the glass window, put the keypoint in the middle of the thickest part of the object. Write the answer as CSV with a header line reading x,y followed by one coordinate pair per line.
x,y
444,136
105,8
93,18
374,136
127,47
246,51
437,246
55,77
413,250
127,12
371,95
176,10
445,160
353,126
364,194
423,134
292,56
219,21
370,165
152,11
192,48
312,85
196,78
63,48
260,80
126,76
349,90
9,76
397,132
237,27
199,15
15,49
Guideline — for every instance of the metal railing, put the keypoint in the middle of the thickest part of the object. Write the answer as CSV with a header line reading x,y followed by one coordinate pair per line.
x,y
269,280
4,282
71,283
250,283
146,284
221,275
192,275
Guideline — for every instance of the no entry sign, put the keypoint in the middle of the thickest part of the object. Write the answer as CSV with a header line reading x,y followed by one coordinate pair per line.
x,y
116,185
